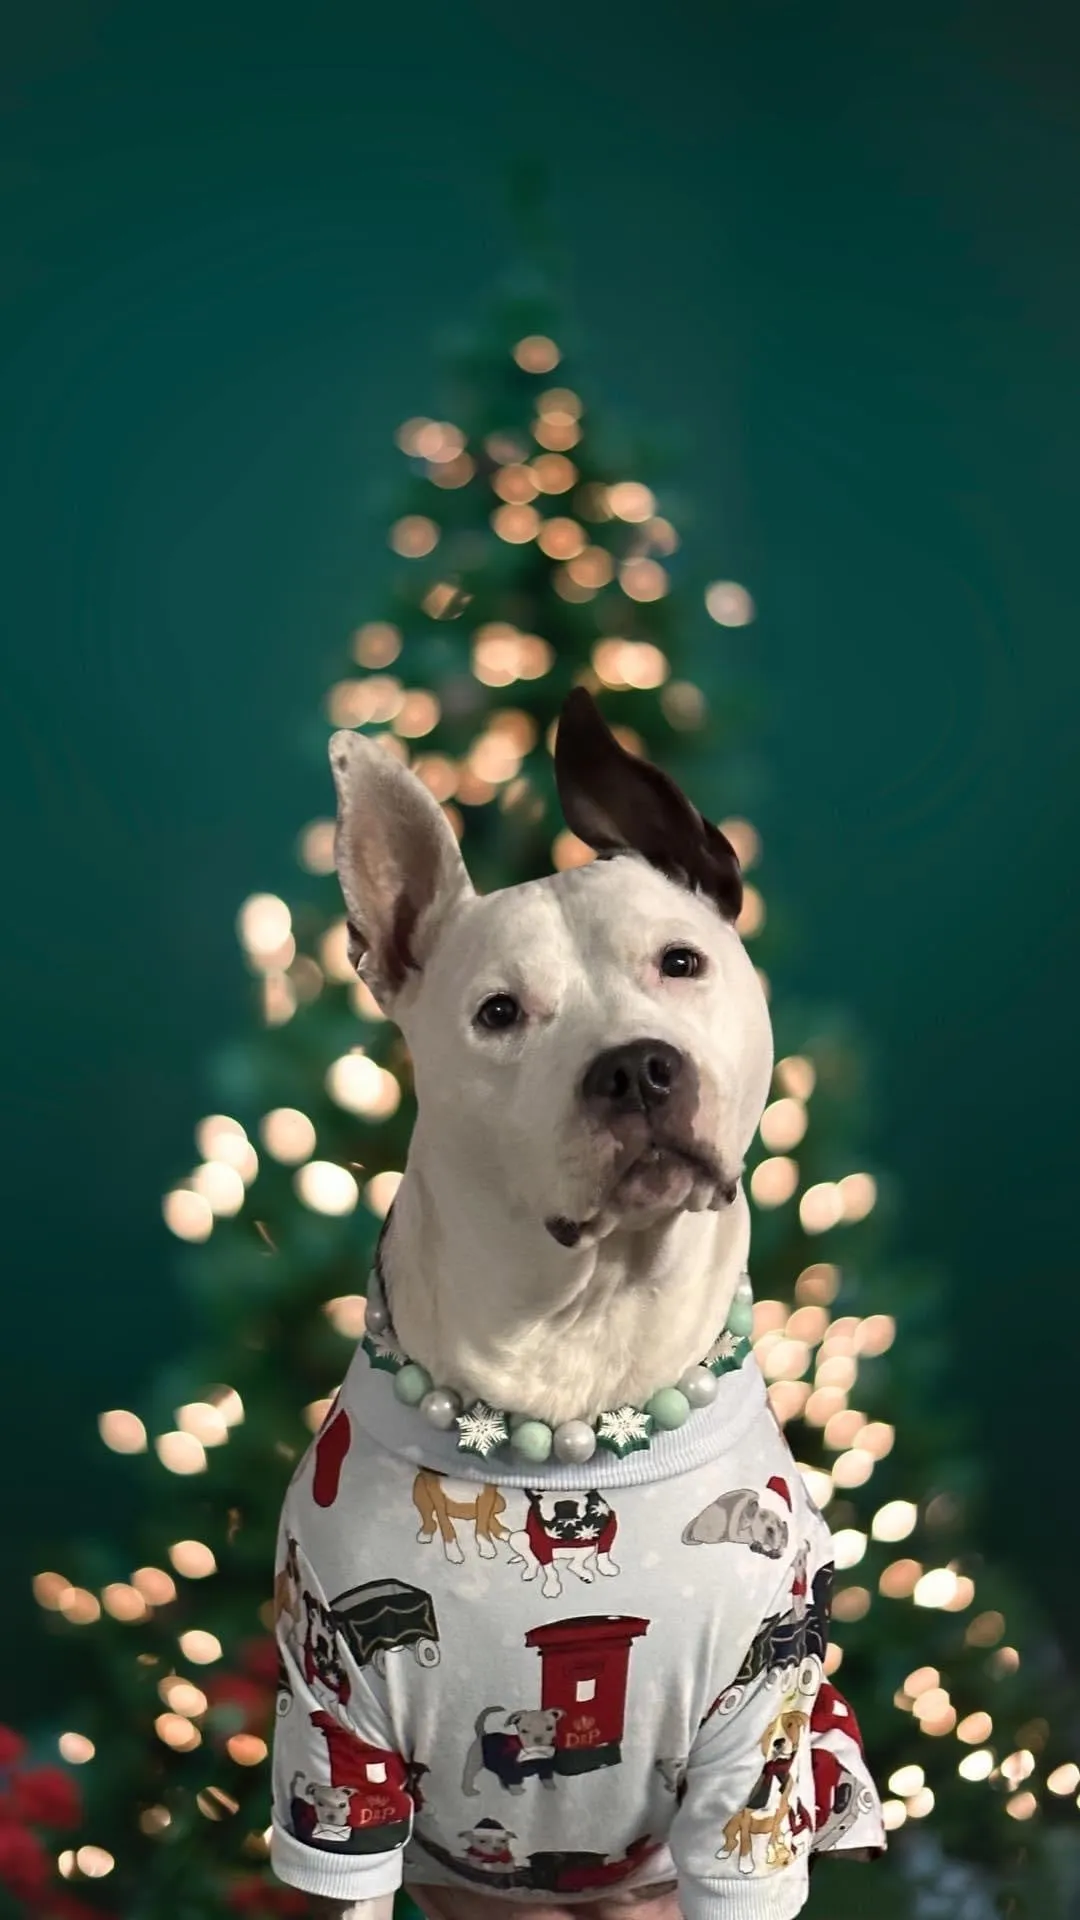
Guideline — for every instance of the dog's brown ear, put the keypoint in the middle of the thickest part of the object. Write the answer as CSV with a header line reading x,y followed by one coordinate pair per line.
x,y
397,861
617,803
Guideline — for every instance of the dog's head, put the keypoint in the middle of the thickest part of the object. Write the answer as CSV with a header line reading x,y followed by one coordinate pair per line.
x,y
768,1533
535,1726
593,1047
331,1803
488,1839
781,1737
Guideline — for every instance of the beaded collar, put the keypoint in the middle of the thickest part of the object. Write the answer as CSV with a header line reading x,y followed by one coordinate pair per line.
x,y
484,1430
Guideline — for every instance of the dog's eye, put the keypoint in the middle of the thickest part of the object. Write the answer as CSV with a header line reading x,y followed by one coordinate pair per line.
x,y
498,1012
682,963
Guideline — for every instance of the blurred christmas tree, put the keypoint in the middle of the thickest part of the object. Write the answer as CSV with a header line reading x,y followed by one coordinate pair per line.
x,y
532,553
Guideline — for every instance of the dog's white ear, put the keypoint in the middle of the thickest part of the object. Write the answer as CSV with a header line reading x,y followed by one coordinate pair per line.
x,y
617,803
397,861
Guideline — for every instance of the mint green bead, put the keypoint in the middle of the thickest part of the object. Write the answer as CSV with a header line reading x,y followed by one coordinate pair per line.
x,y
669,1407
532,1439
740,1318
411,1382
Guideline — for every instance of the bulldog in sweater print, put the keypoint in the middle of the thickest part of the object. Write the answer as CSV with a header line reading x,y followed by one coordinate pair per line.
x,y
611,1683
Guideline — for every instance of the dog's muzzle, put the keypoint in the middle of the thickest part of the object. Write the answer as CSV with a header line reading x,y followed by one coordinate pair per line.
x,y
644,1095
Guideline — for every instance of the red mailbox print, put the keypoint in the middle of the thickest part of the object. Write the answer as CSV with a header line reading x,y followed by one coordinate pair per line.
x,y
365,1805
584,1671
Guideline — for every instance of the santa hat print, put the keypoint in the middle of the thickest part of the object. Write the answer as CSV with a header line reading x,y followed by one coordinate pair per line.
x,y
780,1488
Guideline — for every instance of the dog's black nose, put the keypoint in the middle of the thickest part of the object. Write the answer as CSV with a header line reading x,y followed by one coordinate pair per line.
x,y
633,1078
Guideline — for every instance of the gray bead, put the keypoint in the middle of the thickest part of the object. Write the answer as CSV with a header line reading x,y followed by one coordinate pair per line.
x,y
440,1408
575,1442
376,1317
699,1386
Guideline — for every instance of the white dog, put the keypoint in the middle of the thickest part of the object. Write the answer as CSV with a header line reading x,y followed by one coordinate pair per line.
x,y
592,1053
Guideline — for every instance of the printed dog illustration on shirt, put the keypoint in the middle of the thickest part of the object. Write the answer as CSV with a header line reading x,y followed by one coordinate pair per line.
x,y
323,1666
573,1530
288,1594
773,1809
440,1502
331,1806
490,1846
523,1748
739,1519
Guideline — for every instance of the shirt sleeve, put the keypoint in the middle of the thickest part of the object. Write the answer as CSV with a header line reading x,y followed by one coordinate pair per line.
x,y
777,1771
342,1805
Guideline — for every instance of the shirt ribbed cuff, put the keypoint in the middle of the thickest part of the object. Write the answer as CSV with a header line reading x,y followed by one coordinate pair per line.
x,y
337,1876
776,1896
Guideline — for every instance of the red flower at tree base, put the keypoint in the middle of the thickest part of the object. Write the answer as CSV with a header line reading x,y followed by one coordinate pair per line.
x,y
12,1746
46,1797
25,1867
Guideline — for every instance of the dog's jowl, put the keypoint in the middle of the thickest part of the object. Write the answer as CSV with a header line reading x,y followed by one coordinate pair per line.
x,y
551,1596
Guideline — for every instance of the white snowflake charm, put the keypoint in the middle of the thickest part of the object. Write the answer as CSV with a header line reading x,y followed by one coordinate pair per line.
x,y
730,1350
624,1430
383,1352
481,1429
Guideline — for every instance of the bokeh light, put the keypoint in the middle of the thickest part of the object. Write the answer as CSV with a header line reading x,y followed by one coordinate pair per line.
x,y
288,1135
729,604
629,500
177,1731
643,579
199,1647
376,644
536,353
180,1452
122,1432
895,1520
774,1181
326,1188
379,1192
413,536
347,1314
188,1214
193,1559
359,1085
516,525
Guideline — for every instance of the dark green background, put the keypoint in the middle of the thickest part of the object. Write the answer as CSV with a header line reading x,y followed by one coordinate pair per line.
x,y
840,251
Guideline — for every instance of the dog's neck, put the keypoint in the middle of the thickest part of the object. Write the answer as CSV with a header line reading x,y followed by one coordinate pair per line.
x,y
484,1298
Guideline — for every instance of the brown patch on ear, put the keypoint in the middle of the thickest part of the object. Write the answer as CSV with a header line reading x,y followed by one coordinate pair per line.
x,y
355,944
617,803
396,958
399,960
